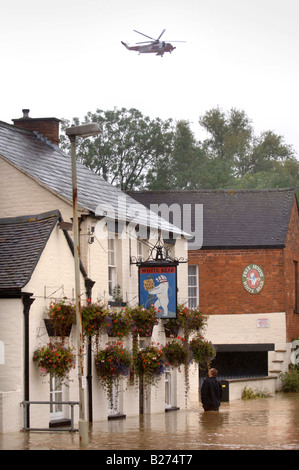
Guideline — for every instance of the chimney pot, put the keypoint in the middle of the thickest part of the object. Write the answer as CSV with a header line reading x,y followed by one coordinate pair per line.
x,y
25,113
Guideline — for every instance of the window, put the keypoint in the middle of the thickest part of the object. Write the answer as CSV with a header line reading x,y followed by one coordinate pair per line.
x,y
168,391
57,394
139,250
111,265
113,408
193,300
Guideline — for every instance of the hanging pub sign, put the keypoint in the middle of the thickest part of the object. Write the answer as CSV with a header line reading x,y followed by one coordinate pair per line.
x,y
158,288
253,279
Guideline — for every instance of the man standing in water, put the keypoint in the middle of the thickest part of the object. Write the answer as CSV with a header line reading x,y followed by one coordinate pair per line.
x,y
211,392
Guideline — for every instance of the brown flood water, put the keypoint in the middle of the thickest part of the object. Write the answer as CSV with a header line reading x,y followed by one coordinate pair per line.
x,y
262,424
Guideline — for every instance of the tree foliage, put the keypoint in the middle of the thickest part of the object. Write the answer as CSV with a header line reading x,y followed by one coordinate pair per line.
x,y
128,146
135,152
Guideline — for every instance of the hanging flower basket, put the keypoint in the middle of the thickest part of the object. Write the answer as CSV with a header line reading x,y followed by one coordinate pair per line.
x,y
113,363
55,359
171,327
57,331
119,324
177,352
61,316
190,319
94,317
150,364
143,320
202,351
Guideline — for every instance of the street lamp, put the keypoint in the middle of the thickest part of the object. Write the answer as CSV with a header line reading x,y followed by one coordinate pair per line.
x,y
84,130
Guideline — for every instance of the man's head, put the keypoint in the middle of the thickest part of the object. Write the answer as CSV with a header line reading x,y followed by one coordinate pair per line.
x,y
213,372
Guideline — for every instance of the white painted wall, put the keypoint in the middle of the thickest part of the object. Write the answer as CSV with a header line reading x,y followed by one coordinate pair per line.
x,y
244,328
53,278
11,366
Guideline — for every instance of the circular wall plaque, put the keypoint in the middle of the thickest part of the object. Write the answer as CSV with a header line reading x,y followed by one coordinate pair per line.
x,y
253,279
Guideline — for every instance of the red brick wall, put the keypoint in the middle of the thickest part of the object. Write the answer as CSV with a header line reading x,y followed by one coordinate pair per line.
x,y
291,254
220,279
48,127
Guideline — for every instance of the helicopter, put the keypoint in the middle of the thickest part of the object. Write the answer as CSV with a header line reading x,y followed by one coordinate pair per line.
x,y
155,46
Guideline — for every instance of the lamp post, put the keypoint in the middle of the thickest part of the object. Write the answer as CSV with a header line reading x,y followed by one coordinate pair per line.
x,y
85,130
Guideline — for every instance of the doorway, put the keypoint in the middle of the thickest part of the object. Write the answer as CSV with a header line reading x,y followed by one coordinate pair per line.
x,y
58,410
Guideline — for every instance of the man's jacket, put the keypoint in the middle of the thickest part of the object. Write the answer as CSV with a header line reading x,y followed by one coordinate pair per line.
x,y
211,393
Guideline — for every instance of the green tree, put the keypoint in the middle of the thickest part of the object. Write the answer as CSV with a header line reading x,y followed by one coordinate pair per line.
x,y
127,147
238,158
185,158
229,134
180,169
135,152
226,147
268,149
281,175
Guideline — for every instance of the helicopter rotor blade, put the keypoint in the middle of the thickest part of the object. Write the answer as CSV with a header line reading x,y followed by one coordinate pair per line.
x,y
146,42
143,34
161,34
153,41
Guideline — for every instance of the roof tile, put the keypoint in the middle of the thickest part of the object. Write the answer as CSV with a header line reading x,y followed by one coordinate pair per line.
x,y
233,218
22,240
52,167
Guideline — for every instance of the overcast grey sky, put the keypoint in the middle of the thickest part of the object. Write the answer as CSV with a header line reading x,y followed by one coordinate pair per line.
x,y
63,58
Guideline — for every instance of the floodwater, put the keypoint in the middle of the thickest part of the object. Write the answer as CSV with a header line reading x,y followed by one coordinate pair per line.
x,y
262,424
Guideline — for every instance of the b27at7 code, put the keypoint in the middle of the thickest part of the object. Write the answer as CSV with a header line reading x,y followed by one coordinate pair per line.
x,y
166,459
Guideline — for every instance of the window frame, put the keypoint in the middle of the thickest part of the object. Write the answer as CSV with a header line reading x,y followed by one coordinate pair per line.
x,y
191,302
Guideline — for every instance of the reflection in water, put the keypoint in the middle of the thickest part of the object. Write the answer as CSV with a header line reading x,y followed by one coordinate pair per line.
x,y
268,423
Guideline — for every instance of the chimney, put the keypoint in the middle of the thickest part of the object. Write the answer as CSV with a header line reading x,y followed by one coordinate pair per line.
x,y
47,127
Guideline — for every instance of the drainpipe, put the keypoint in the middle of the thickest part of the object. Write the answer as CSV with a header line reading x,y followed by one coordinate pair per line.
x,y
89,285
27,301
89,379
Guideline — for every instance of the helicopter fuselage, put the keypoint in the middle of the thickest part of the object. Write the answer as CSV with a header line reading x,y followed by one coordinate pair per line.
x,y
159,49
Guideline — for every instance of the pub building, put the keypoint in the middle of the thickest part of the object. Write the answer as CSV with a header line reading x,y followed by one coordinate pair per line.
x,y
244,276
